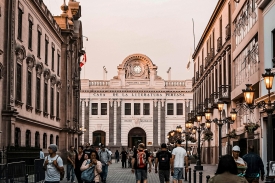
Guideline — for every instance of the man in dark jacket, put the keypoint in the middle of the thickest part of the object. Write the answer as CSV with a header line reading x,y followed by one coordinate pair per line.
x,y
163,158
255,166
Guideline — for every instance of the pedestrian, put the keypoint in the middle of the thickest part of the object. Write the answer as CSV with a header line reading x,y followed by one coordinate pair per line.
x,y
241,164
123,157
71,164
94,160
79,159
255,166
87,150
139,163
53,165
105,159
42,156
130,156
227,171
163,159
117,156
178,156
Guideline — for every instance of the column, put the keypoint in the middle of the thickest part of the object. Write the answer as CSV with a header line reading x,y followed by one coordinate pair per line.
x,y
159,121
115,122
82,120
175,107
155,123
90,133
162,122
111,123
118,123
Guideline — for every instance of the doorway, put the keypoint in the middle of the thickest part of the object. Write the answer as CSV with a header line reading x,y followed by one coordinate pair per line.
x,y
135,136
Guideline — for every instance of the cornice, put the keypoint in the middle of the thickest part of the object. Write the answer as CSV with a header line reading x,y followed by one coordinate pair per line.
x,y
38,123
134,91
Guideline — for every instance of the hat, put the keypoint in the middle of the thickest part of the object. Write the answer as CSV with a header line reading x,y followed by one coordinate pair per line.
x,y
236,148
53,147
163,145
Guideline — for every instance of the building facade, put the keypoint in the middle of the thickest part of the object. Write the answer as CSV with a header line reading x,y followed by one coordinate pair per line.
x,y
35,48
135,106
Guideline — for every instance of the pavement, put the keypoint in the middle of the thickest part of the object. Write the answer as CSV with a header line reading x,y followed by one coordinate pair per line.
x,y
117,174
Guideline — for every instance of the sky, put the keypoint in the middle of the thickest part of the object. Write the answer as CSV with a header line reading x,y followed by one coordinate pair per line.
x,y
159,29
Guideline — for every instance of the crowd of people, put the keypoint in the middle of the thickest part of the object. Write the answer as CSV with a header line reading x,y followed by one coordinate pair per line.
x,y
95,162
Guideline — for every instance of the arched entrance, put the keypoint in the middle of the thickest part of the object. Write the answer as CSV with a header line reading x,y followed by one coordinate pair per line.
x,y
99,137
135,136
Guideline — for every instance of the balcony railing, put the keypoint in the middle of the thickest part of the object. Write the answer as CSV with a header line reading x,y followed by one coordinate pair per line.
x,y
174,83
207,103
214,99
225,93
201,70
200,108
219,44
212,54
99,83
206,62
197,75
227,32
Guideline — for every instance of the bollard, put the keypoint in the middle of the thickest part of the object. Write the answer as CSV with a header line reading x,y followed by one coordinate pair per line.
x,y
189,180
200,177
194,176
26,178
207,178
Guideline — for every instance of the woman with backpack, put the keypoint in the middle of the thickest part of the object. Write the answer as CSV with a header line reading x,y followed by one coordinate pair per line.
x,y
94,160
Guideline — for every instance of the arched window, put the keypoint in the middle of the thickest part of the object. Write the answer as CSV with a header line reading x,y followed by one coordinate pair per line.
x,y
44,141
57,140
37,139
51,139
17,139
28,138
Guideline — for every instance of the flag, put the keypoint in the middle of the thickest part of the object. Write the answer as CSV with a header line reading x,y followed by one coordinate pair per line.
x,y
189,61
83,61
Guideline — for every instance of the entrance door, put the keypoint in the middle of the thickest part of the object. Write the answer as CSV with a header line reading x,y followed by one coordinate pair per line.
x,y
136,136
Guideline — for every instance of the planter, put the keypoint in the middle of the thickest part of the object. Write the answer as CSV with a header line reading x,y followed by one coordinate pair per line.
x,y
250,135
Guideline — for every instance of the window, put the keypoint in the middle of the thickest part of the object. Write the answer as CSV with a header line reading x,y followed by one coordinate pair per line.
x,y
136,108
39,43
58,64
94,108
19,82
179,108
146,109
30,35
38,93
17,137
57,105
57,140
45,97
28,138
224,71
170,109
44,141
52,102
273,46
221,28
19,30
46,50
103,108
51,139
127,108
29,89
53,50
37,139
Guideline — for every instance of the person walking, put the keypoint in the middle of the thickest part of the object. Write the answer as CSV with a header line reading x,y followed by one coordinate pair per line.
x,y
227,171
123,157
79,159
117,156
93,160
105,159
178,156
53,165
241,164
42,156
130,155
71,164
255,166
163,159
139,163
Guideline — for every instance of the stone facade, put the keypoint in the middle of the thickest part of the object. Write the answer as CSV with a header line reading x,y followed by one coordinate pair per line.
x,y
136,100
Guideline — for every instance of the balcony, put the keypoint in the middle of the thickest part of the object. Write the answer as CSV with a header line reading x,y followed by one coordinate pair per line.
x,y
207,103
212,54
214,99
201,70
197,75
227,32
225,93
200,108
206,62
219,44
193,81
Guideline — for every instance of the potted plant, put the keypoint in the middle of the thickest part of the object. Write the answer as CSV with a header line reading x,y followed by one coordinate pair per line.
x,y
232,134
208,135
251,127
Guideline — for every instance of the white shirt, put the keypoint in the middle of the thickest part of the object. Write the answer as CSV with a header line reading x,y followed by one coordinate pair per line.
x,y
52,174
180,154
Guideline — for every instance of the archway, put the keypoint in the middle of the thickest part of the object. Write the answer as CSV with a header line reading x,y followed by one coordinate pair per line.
x,y
135,136
99,137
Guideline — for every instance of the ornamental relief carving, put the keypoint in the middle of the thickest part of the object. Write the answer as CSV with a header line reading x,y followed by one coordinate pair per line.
x,y
20,53
53,79
58,84
137,69
47,74
30,61
39,68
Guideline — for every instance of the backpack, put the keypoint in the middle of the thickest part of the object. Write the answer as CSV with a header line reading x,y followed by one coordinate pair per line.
x,y
88,174
141,159
164,159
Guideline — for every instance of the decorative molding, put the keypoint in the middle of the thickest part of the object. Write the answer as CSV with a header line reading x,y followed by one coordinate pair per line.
x,y
18,103
20,53
47,74
29,108
39,68
53,79
30,61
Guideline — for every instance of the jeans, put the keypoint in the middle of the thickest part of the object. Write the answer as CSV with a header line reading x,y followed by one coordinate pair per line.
x,y
123,163
104,172
70,168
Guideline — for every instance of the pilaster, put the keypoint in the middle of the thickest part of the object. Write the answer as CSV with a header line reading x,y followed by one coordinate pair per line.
x,y
118,126
111,123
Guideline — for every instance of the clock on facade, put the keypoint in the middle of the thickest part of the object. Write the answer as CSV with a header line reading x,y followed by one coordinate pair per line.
x,y
137,69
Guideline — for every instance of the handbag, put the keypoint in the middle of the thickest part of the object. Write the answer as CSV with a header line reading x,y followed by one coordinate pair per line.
x,y
88,175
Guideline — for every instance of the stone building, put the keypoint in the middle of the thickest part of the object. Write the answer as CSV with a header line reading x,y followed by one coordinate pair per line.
x,y
39,74
136,105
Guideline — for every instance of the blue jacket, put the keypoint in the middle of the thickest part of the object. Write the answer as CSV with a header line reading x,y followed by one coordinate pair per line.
x,y
254,165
